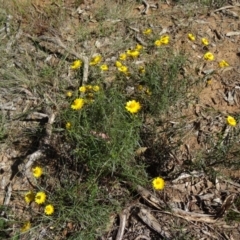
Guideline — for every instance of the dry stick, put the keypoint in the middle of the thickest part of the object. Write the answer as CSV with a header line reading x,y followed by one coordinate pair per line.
x,y
226,7
145,11
123,219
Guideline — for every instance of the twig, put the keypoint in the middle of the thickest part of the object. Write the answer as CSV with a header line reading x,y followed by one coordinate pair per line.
x,y
226,7
147,6
123,219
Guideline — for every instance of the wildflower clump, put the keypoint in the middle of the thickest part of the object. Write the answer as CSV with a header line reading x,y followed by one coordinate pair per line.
x,y
76,64
191,37
208,56
133,106
26,226
49,209
29,197
223,64
40,197
231,121
158,183
77,104
37,172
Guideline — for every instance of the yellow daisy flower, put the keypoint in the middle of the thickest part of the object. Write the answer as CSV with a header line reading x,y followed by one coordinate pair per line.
x,y
68,125
223,64
205,41
37,172
208,56
26,226
164,39
133,53
231,121
122,57
123,69
82,89
133,106
95,60
191,37
68,93
157,43
76,64
147,31
141,70
77,104
138,47
158,183
118,64
104,67
40,197
96,88
29,197
49,209
89,87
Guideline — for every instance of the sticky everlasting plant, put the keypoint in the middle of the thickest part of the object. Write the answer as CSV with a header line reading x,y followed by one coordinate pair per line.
x,y
133,106
77,104
158,183
37,172
231,121
40,197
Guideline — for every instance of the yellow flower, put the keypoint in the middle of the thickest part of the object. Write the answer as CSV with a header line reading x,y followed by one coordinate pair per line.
x,y
147,31
123,69
89,87
122,57
29,197
95,60
231,121
104,67
148,92
208,56
140,87
141,70
68,93
96,88
223,64
76,64
133,106
37,172
49,209
118,64
164,39
191,37
138,47
157,43
158,183
68,125
205,41
82,89
77,104
133,53
40,197
26,226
